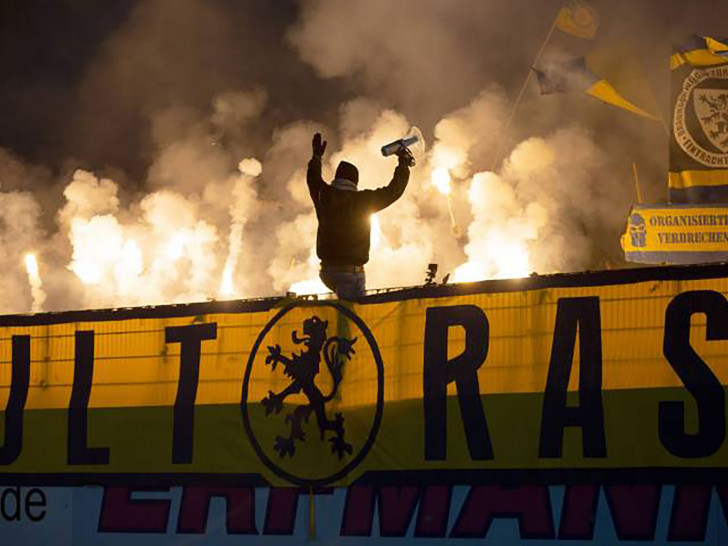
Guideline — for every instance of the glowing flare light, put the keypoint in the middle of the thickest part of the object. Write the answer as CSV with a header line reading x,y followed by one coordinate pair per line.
x,y
309,287
376,231
441,179
511,263
227,286
31,266
36,285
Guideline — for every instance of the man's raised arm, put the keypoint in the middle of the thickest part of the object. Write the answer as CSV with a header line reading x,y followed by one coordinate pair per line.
x,y
313,174
383,197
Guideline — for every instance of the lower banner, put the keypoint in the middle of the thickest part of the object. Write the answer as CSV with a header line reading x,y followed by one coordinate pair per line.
x,y
676,234
396,514
587,406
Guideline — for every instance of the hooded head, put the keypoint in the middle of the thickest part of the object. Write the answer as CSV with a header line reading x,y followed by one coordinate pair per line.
x,y
347,171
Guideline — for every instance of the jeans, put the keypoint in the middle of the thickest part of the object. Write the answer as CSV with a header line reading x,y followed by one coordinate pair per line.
x,y
345,284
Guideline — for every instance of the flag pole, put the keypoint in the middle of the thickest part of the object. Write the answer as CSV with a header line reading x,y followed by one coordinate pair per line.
x,y
517,102
311,514
637,183
668,132
658,110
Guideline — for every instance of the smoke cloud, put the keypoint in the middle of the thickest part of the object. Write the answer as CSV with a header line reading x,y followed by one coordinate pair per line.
x,y
179,171
20,232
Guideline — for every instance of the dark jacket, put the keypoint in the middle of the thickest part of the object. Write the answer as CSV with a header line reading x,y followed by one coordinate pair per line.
x,y
345,216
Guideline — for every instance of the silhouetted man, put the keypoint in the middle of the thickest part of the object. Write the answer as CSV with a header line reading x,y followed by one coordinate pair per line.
x,y
344,215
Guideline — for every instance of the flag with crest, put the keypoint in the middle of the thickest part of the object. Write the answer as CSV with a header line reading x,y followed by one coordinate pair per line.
x,y
699,143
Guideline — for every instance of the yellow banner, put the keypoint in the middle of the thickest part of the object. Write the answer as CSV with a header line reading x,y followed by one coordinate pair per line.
x,y
676,234
568,375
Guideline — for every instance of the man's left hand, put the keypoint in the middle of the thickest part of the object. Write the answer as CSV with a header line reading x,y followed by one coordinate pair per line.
x,y
318,147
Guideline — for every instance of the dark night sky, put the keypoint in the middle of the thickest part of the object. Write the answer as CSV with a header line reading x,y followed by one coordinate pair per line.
x,y
69,97
57,110
44,49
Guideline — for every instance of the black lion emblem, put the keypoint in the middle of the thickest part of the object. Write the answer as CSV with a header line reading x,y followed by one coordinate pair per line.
x,y
302,369
718,116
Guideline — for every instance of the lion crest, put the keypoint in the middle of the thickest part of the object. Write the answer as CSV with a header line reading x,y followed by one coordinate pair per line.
x,y
303,368
712,108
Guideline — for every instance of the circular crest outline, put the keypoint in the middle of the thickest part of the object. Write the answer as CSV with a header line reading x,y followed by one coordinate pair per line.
x,y
681,131
364,451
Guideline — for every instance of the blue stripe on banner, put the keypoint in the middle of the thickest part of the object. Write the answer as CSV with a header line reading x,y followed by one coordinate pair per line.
x,y
676,257
691,43
699,194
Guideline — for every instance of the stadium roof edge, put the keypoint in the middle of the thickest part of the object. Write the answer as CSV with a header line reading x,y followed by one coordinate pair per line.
x,y
533,282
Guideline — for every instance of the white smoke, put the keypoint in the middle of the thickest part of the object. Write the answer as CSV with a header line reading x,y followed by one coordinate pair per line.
x,y
38,295
156,250
565,174
213,234
223,209
20,233
427,54
241,209
502,232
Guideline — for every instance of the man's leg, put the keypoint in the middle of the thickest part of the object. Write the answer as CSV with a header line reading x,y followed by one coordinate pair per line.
x,y
353,285
329,278
345,285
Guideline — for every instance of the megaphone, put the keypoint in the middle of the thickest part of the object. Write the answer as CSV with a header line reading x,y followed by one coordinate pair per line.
x,y
397,145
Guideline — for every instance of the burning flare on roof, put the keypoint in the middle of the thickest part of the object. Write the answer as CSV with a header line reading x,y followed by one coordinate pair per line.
x,y
36,285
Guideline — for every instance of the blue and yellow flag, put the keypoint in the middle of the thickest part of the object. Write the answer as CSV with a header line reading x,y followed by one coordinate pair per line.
x,y
575,75
676,234
578,19
700,51
699,145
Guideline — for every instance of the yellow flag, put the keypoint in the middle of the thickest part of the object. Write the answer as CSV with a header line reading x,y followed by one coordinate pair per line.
x,y
605,92
575,75
578,19
700,51
716,47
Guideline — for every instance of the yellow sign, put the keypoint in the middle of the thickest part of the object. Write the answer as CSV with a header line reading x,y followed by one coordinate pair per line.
x,y
562,377
676,234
